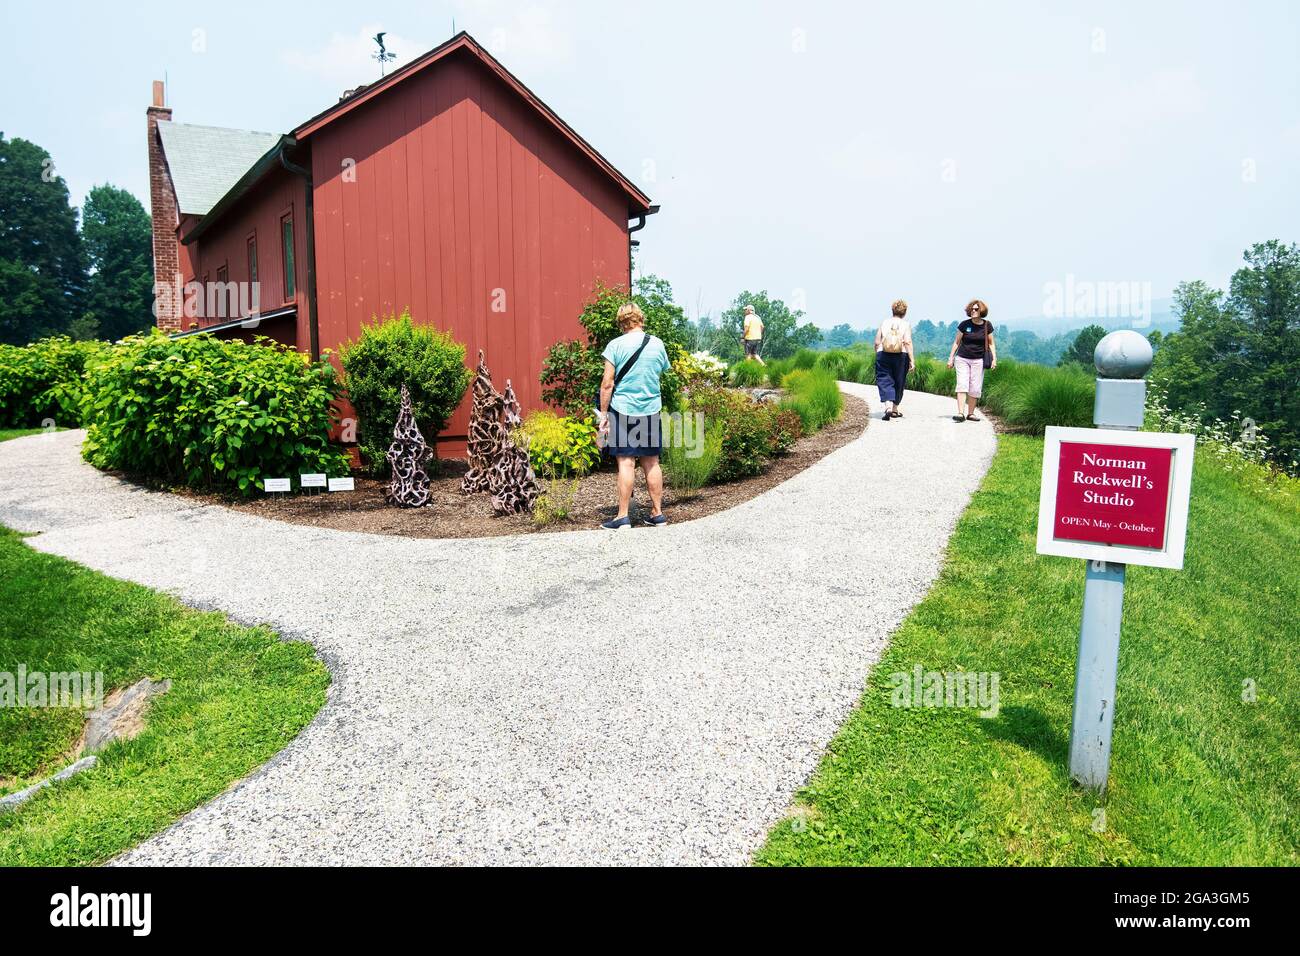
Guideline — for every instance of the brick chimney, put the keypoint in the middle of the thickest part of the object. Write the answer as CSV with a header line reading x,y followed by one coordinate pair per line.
x,y
162,201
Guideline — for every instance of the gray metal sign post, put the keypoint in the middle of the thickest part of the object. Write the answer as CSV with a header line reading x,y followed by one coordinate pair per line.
x,y
1122,359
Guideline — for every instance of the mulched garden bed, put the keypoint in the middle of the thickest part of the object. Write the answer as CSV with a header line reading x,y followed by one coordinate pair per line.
x,y
454,515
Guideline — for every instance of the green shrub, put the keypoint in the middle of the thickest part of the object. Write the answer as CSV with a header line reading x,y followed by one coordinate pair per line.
x,y
998,384
1060,396
860,369
748,374
560,447
837,362
691,453
932,376
746,427
557,501
208,413
776,369
815,396
785,428
804,358
45,381
388,355
571,373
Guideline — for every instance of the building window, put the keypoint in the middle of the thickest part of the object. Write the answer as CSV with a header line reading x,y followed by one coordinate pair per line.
x,y
223,274
286,245
252,258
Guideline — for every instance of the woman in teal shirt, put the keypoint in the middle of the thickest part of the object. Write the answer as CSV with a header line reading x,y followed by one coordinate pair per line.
x,y
630,402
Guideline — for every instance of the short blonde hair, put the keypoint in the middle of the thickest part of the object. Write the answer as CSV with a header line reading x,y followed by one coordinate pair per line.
x,y
630,316
899,308
977,305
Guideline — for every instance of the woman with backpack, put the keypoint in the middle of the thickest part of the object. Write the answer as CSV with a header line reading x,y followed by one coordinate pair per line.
x,y
894,359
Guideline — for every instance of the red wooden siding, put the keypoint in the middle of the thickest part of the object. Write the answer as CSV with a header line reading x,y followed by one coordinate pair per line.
x,y
460,189
226,244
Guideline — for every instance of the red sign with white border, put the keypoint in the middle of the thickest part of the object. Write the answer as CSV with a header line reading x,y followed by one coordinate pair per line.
x,y
1113,494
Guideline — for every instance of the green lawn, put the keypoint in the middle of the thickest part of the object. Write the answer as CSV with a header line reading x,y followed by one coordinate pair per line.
x,y
8,433
238,696
1197,775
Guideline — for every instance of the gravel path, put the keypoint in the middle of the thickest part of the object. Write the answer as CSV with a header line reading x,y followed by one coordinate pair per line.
x,y
653,696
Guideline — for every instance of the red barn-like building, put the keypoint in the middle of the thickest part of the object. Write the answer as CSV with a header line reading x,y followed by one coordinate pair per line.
x,y
447,188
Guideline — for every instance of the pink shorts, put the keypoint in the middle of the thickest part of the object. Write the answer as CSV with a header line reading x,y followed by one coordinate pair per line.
x,y
970,375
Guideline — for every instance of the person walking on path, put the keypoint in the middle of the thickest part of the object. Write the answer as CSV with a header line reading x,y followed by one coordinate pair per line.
x,y
753,335
973,351
894,359
630,402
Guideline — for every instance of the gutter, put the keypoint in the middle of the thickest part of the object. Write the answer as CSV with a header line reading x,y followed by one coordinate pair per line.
x,y
247,322
313,323
633,243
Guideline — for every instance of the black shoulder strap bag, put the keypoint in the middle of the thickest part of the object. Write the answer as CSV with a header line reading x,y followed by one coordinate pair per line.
x,y
627,366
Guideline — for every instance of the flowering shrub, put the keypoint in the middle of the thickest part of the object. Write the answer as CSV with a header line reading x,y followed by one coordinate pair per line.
x,y
1237,443
560,446
700,368
209,413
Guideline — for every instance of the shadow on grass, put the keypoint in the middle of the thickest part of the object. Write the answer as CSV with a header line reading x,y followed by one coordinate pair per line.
x,y
1031,729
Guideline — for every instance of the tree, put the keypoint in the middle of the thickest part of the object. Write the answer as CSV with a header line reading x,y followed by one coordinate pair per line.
x,y
841,336
1266,297
117,237
782,333
1238,353
1084,344
42,268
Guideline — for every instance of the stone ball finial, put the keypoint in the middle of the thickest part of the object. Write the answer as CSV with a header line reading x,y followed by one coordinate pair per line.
x,y
1123,354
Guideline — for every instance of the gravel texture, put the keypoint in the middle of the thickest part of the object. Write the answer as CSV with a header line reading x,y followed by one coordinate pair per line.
x,y
582,697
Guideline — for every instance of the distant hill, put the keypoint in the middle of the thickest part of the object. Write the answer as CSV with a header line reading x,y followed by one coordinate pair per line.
x,y
1162,318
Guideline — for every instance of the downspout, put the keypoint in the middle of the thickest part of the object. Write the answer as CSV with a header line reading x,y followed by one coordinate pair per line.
x,y
313,327
632,243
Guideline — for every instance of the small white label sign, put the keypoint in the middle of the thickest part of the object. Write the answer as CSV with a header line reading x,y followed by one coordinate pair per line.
x,y
275,484
343,484
311,481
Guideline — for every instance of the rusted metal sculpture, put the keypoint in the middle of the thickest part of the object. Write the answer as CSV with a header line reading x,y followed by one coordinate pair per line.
x,y
496,464
407,456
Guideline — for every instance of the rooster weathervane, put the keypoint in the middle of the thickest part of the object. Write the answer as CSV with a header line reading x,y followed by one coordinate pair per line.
x,y
384,55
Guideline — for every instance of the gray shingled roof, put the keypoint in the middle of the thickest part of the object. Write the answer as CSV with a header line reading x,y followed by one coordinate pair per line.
x,y
206,161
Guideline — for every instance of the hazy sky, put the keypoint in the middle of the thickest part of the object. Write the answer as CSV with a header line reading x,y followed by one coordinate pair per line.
x,y
835,154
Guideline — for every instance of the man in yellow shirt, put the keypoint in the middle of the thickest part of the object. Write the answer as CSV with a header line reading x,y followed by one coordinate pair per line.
x,y
753,335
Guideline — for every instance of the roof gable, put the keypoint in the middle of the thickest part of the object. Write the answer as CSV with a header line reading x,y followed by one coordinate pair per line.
x,y
206,162
638,200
